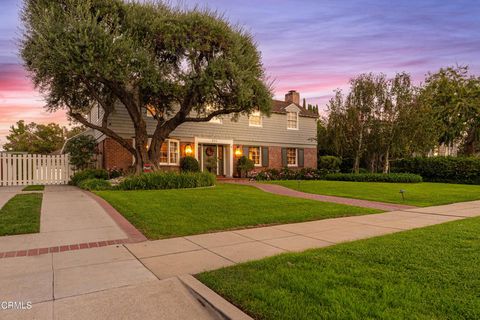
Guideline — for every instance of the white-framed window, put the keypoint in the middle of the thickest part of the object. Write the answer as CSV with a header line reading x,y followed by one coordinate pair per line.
x,y
169,152
292,156
292,120
174,152
255,119
254,154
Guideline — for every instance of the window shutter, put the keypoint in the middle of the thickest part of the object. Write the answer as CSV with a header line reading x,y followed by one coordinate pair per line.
x,y
284,157
301,156
264,156
245,151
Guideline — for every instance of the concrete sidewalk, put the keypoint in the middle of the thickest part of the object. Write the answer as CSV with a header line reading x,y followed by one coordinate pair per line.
x,y
68,217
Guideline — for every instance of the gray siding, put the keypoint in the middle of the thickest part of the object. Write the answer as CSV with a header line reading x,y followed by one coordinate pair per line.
x,y
273,132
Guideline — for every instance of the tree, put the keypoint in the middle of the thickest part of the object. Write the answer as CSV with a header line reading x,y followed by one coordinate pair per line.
x,y
81,149
454,96
35,138
178,65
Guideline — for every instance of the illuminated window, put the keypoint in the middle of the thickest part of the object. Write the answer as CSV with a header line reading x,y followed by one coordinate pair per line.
x,y
169,153
254,155
164,153
292,120
174,152
292,157
151,111
255,119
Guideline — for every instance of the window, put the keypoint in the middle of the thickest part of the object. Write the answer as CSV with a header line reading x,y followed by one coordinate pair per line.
x,y
292,120
292,157
255,119
254,155
169,153
174,151
151,111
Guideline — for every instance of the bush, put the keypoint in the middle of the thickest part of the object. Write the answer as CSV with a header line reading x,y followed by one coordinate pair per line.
x,y
81,149
375,177
442,169
88,174
329,163
289,174
115,173
95,184
167,180
189,164
244,166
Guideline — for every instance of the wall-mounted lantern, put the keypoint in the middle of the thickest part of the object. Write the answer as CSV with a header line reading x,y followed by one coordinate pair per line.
x,y
188,150
238,151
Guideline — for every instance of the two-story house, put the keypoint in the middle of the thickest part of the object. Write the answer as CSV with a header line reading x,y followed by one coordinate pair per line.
x,y
284,139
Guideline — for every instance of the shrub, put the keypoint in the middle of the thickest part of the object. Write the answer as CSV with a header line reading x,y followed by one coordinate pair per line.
x,y
81,149
442,169
95,184
289,174
115,173
244,166
375,177
329,163
88,174
167,180
189,164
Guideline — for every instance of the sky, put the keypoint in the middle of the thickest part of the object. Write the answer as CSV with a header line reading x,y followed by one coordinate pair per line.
x,y
312,46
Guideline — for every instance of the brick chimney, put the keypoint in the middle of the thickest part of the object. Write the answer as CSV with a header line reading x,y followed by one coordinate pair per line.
x,y
292,96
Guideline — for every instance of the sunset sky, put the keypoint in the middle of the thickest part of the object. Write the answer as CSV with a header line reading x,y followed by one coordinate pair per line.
x,y
312,46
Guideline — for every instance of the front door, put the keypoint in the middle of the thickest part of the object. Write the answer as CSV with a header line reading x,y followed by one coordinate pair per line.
x,y
213,159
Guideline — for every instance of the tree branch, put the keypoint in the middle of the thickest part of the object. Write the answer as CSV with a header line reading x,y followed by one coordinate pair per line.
x,y
213,115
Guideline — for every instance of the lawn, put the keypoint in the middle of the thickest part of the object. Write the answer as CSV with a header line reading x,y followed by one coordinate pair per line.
x,y
172,213
34,188
429,273
417,194
21,214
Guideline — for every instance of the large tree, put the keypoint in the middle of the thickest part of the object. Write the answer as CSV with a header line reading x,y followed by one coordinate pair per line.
x,y
454,95
180,65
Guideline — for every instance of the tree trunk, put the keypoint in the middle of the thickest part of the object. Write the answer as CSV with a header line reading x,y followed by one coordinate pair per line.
x,y
386,162
356,164
470,141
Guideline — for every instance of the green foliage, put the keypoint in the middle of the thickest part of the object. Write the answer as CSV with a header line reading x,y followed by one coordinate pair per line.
x,y
88,174
329,163
35,138
375,177
95,184
167,180
81,149
34,188
289,174
189,164
244,166
212,164
442,169
21,214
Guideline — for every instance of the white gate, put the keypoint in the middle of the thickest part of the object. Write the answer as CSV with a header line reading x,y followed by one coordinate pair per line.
x,y
30,169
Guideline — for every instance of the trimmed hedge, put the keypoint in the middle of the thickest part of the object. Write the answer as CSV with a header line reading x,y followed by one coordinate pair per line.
x,y
95,184
375,177
442,169
167,180
89,174
289,174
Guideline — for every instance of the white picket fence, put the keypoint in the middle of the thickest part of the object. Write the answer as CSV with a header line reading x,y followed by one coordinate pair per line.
x,y
31,169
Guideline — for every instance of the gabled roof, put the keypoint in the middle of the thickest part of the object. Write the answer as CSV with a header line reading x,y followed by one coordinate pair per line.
x,y
280,107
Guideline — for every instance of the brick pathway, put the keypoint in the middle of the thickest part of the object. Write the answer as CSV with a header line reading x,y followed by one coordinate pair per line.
x,y
281,190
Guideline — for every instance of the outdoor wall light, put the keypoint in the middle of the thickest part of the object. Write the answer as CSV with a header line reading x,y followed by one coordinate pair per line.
x,y
188,150
238,151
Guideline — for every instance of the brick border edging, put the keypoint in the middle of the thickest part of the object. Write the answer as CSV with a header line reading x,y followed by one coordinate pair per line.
x,y
61,248
133,234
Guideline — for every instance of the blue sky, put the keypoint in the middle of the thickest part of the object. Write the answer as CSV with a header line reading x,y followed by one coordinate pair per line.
x,y
311,46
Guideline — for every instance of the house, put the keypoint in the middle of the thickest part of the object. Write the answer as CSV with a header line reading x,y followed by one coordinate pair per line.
x,y
284,139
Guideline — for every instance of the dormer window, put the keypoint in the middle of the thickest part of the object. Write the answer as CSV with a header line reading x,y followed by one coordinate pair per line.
x,y
292,120
255,119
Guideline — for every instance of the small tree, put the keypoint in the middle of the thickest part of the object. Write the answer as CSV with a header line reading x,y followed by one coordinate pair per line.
x,y
81,150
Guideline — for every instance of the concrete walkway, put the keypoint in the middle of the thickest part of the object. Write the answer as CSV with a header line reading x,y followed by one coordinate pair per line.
x,y
284,191
68,217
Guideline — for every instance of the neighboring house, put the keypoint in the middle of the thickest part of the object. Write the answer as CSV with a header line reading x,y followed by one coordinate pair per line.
x,y
284,139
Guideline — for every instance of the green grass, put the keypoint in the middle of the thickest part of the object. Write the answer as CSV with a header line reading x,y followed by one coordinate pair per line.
x,y
417,194
34,188
172,213
21,214
430,273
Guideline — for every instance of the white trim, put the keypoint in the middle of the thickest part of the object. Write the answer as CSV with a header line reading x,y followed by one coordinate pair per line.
x,y
259,155
296,158
259,114
298,121
224,142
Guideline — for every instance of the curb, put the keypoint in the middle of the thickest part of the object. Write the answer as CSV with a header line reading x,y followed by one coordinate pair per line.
x,y
227,310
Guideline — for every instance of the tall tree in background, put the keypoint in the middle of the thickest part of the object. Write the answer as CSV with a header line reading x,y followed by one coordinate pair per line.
x,y
178,65
454,96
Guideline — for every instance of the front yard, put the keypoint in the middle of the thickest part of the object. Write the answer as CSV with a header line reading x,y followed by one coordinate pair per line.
x,y
172,213
429,273
416,194
21,214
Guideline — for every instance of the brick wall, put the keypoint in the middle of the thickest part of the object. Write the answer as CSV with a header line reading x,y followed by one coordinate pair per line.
x,y
275,157
114,155
310,157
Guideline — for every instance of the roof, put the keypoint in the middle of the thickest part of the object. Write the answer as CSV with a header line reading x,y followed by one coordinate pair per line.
x,y
280,107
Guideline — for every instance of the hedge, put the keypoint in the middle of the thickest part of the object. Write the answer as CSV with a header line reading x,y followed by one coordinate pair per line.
x,y
167,180
289,174
88,174
95,184
442,169
375,177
